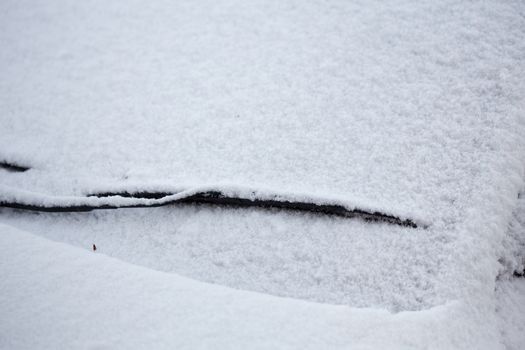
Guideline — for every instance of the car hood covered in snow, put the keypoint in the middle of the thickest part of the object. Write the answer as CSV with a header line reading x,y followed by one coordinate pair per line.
x,y
413,111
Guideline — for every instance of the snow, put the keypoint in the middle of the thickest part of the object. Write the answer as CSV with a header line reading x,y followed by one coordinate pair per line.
x,y
387,105
312,257
510,292
511,312
513,247
413,108
108,304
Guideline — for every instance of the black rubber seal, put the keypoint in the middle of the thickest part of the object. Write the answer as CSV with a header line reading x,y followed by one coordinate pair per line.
x,y
220,199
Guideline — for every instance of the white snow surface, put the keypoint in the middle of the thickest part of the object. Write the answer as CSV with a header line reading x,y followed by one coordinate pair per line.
x,y
413,108
391,105
103,303
318,258
510,308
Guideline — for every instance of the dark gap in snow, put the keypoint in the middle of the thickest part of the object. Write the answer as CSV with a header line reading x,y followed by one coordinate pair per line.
x,y
218,198
215,197
146,195
15,168
519,274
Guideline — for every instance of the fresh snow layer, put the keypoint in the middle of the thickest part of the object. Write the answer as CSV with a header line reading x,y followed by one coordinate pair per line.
x,y
413,108
510,292
510,295
54,296
313,257
390,105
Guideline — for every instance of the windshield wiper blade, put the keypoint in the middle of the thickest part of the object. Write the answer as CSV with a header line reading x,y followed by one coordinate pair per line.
x,y
215,198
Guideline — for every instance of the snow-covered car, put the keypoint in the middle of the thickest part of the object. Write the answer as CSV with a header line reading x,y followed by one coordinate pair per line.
x,y
243,175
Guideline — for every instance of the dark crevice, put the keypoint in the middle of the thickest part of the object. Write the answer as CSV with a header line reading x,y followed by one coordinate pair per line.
x,y
218,198
145,195
16,168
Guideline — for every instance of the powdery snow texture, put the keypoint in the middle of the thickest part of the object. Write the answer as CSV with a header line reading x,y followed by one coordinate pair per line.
x,y
103,303
414,108
397,106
